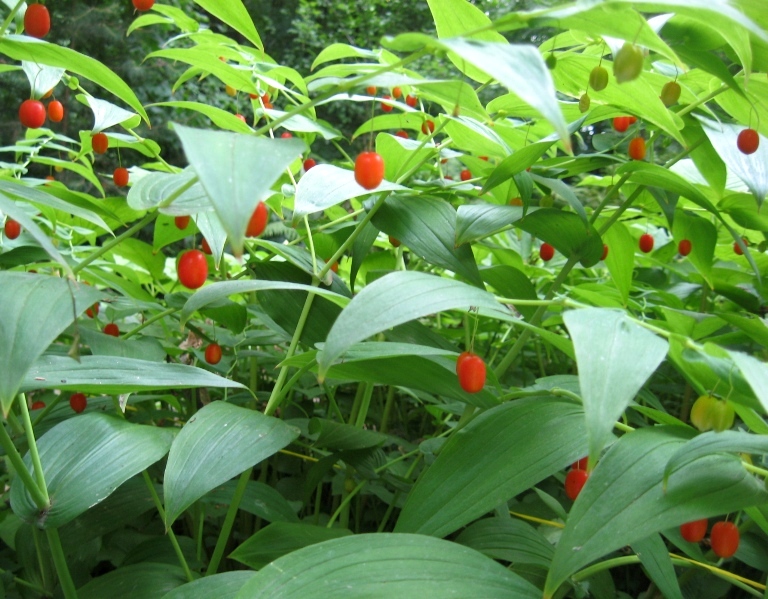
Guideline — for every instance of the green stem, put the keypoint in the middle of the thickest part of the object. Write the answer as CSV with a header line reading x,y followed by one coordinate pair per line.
x,y
345,503
620,210
10,17
171,535
365,405
694,105
33,453
384,424
40,498
20,581
229,520
115,242
609,196
60,561
150,321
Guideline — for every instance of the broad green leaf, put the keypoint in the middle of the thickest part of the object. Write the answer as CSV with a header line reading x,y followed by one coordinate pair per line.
x,y
615,357
234,14
84,460
218,443
342,436
106,114
756,374
259,499
35,310
743,209
654,175
511,283
280,538
427,226
516,163
326,185
501,453
223,161
621,257
223,119
480,220
147,580
22,47
509,540
303,124
42,79
395,299
339,51
654,556
407,566
753,326
222,586
623,500
113,375
400,155
155,189
703,237
566,232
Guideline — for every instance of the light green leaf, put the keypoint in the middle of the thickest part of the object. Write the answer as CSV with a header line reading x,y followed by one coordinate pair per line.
x,y
615,357
219,117
654,556
756,374
85,458
408,566
222,586
154,189
703,237
480,220
234,14
508,539
42,79
219,442
106,114
621,257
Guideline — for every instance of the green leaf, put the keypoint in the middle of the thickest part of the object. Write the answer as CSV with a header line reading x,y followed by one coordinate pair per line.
x,y
566,232
22,47
341,436
615,357
756,374
223,161
234,14
509,540
36,309
326,185
655,558
146,580
222,586
407,566
280,538
427,226
480,220
501,453
218,443
511,283
623,500
223,119
703,237
84,460
259,499
114,375
621,257
106,114
395,299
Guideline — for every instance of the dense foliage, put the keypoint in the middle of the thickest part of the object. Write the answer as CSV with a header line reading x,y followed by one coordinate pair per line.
x,y
452,315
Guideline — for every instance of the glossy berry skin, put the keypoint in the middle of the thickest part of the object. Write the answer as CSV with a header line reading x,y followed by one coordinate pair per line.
x,y
371,90
55,111
258,221
111,329
120,176
309,163
598,78
621,123
38,405
32,112
396,92
402,133
287,135
580,464
684,247
646,243
584,103
37,21
748,141
12,228
394,241
206,248
670,93
637,148
574,483
605,252
92,311
547,252
695,531
78,402
465,175
192,269
384,106
369,170
471,373
143,4
628,63
724,538
737,248
411,101
100,143
213,353
181,222
428,127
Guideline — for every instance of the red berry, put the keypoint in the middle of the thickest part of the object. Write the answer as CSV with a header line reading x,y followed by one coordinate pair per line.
x,y
181,222
92,311
258,221
12,228
38,405
637,148
371,90
684,247
580,464
737,247
206,247
369,170
78,402
463,355
694,531
309,163
286,135
32,112
386,107
396,92
213,353
621,123
394,241
471,373
120,176
516,201
111,329
483,158
55,111
192,269
411,101
402,133
547,252
466,175
574,483
37,20
100,142
428,127
724,538
646,243
241,117
605,252
748,141
143,4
